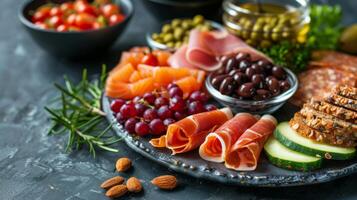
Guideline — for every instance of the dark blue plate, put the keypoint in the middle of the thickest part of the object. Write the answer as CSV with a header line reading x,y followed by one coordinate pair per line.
x,y
266,174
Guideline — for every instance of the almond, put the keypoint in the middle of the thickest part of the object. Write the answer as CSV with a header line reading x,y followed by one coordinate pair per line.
x,y
166,182
133,184
116,180
116,191
123,164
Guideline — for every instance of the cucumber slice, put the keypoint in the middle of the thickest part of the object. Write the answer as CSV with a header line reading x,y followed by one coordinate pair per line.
x,y
289,138
283,157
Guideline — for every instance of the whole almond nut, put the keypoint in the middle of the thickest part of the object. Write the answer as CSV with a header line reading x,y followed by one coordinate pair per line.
x,y
116,180
123,164
133,184
166,182
116,191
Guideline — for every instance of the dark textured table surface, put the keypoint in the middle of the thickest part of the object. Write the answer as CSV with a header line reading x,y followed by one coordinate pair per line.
x,y
34,166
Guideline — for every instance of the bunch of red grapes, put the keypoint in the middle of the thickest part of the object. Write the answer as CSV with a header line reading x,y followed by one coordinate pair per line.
x,y
154,111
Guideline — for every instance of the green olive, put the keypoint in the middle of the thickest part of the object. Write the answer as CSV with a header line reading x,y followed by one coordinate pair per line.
x,y
178,33
254,35
204,28
175,23
260,20
186,24
155,36
178,44
166,28
170,44
266,35
245,34
265,43
276,36
198,19
284,21
278,28
168,37
248,25
242,21
257,27
273,21
286,34
251,42
267,28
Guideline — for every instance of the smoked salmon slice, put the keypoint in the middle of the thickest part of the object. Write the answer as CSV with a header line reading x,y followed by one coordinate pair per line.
x,y
218,143
245,152
190,132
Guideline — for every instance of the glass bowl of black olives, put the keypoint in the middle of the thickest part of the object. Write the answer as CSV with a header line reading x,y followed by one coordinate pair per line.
x,y
247,85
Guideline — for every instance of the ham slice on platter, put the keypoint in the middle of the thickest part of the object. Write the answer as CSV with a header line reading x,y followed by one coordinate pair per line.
x,y
219,142
206,47
190,132
245,152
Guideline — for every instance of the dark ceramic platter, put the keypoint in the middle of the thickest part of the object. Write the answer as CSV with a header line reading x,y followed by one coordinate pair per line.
x,y
266,174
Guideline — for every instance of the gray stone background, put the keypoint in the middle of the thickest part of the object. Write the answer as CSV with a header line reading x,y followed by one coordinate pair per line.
x,y
34,166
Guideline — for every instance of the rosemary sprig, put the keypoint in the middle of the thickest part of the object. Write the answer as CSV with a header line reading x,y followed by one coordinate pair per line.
x,y
77,112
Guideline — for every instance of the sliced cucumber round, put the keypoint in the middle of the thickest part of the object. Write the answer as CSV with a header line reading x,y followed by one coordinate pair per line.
x,y
291,139
283,157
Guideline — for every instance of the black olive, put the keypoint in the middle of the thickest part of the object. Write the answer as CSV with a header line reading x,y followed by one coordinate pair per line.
x,y
258,80
231,73
242,56
284,85
216,81
273,85
243,65
261,94
250,72
246,90
278,72
240,78
227,86
231,64
258,69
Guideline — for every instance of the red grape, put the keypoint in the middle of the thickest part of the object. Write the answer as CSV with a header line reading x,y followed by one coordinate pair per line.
x,y
171,85
140,108
179,115
161,101
210,107
142,128
175,91
164,112
157,127
130,125
116,105
150,114
198,96
120,118
195,107
136,99
128,110
169,121
149,97
177,104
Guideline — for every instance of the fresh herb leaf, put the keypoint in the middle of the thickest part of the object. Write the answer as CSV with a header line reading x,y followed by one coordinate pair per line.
x,y
79,115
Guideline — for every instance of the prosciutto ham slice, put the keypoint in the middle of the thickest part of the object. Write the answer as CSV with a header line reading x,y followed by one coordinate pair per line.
x,y
190,132
205,48
219,142
245,152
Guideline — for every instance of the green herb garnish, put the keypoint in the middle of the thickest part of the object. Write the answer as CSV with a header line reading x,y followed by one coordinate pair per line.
x,y
79,115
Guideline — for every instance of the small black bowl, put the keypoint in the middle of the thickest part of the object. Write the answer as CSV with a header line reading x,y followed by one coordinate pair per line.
x,y
74,44
168,9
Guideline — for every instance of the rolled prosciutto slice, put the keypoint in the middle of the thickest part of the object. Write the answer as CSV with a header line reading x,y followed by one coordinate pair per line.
x,y
205,48
190,132
218,143
245,152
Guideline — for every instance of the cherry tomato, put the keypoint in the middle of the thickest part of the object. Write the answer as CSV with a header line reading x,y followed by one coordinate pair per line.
x,y
97,25
71,19
55,21
116,18
56,11
81,7
109,10
150,59
62,28
42,25
41,14
67,6
85,21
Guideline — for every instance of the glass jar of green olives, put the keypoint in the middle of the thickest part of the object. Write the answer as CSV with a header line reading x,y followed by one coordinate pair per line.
x,y
263,23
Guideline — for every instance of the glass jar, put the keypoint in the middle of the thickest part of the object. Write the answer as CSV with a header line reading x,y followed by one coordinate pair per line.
x,y
263,23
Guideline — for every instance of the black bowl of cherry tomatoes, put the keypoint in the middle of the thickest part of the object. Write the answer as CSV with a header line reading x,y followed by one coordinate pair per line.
x,y
76,28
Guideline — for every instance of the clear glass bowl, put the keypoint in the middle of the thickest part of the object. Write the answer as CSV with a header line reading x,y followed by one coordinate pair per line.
x,y
159,46
252,106
276,21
